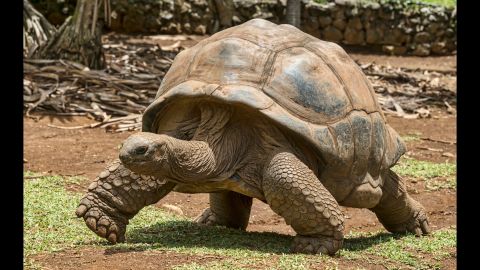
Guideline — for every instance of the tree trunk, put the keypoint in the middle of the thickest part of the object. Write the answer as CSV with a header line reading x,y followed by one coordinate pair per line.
x,y
36,29
294,12
225,12
79,38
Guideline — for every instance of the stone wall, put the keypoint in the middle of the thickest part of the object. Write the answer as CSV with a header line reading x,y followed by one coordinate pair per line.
x,y
394,26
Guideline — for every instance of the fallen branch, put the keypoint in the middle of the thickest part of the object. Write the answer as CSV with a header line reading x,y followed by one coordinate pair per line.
x,y
437,140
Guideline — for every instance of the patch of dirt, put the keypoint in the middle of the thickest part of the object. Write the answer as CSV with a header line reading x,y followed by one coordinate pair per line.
x,y
83,152
441,129
90,258
437,63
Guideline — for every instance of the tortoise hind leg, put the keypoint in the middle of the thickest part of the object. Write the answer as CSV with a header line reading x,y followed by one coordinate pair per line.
x,y
397,211
294,192
227,208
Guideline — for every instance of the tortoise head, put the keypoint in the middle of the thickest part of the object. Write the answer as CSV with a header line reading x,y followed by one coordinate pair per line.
x,y
162,156
147,153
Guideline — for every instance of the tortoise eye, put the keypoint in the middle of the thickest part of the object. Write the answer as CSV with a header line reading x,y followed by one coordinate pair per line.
x,y
141,150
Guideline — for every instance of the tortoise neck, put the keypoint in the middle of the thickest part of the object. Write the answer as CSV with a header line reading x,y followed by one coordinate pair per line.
x,y
191,161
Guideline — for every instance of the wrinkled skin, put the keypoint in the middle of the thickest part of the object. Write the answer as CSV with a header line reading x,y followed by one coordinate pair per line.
x,y
117,195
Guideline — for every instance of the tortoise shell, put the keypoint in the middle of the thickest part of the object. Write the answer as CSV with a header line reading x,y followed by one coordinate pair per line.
x,y
310,86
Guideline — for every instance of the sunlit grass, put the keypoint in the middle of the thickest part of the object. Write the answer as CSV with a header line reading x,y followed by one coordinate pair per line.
x,y
436,175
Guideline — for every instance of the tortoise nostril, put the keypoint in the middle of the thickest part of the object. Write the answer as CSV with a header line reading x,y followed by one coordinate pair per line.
x,y
141,150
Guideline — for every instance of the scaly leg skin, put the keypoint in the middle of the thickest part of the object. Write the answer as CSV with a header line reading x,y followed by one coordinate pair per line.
x,y
397,211
294,192
116,196
228,209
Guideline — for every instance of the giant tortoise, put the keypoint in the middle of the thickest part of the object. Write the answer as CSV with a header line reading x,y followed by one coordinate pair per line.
x,y
261,111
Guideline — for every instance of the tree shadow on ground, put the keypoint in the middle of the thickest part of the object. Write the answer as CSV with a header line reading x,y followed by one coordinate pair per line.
x,y
186,234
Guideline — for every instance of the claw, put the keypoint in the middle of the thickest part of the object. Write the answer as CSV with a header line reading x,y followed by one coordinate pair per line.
x,y
425,227
102,231
91,223
112,238
322,250
81,210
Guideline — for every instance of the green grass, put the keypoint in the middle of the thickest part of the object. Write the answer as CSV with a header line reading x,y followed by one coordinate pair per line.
x,y
50,225
413,137
445,3
436,175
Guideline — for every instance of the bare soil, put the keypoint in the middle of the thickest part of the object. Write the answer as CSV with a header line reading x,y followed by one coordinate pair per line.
x,y
96,258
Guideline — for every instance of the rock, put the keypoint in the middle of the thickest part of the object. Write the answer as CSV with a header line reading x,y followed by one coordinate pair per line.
x,y
394,37
200,30
187,27
339,24
355,23
394,50
414,20
374,35
186,8
311,22
195,16
345,2
385,14
425,11
353,12
451,45
407,30
172,209
422,37
174,28
354,37
339,14
332,34
439,47
449,32
324,21
399,50
433,28
440,33
422,49
236,20
373,5
387,49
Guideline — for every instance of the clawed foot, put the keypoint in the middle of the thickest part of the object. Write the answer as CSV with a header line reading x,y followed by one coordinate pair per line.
x,y
111,226
206,218
417,224
316,245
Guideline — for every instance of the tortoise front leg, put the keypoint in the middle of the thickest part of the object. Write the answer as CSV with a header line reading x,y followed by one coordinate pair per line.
x,y
116,196
227,208
397,210
294,192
